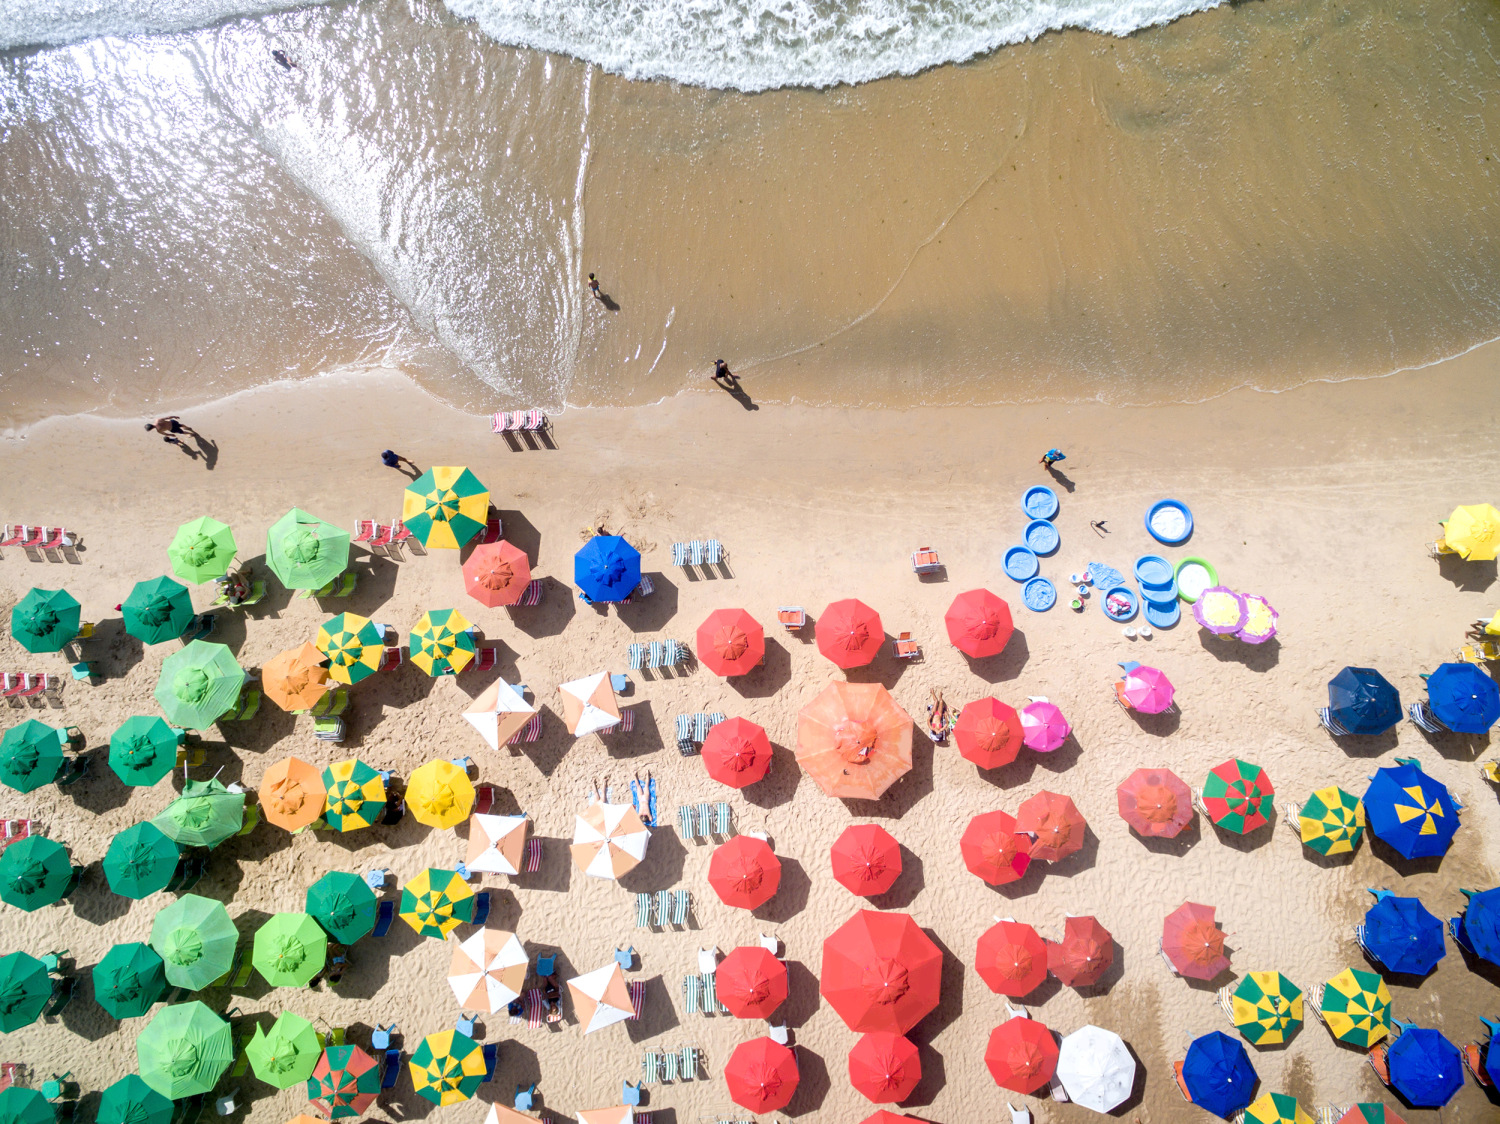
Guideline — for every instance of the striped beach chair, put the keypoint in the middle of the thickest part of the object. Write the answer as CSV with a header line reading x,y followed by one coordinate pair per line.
x,y
536,1009
722,816
691,985
679,553
686,821
713,552
533,594
651,1068
670,1066
711,1004
663,908
533,856
637,991
645,589
695,553
705,824
529,732
533,421
643,911
637,656
689,1064
681,905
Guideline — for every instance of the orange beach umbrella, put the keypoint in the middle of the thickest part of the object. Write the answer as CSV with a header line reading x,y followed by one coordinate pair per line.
x,y
297,678
608,840
1193,941
496,574
292,794
1053,821
854,741
730,642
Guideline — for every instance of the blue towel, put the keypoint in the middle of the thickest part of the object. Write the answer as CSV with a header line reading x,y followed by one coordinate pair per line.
x,y
651,784
635,797
1105,577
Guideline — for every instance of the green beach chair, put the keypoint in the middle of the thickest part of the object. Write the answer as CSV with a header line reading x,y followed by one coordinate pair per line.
x,y
721,818
663,907
710,995
685,821
643,911
691,985
680,905
671,1068
651,1069
705,819
689,1064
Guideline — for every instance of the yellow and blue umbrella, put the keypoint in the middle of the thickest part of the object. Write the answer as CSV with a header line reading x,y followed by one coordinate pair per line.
x,y
353,645
445,507
1410,811
441,643
1267,1008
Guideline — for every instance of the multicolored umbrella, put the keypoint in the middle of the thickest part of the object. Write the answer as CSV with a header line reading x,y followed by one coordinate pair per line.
x,y
1356,1007
204,815
737,752
284,1056
1463,698
866,859
199,683
979,623
608,840
1478,927
184,1050
345,1082
497,843
445,507
850,633
1146,689
1260,620
488,970
1425,1067
157,610
447,1067
1021,1055
1370,1112
1220,610
296,679
1011,958
45,620
994,849
31,755
1362,701
600,998
441,643
435,902
1193,942
752,983
202,550
854,740
1267,1008
1410,811
989,733
496,574
440,794
744,872
129,980
731,642
1095,1068
1043,727
762,1075
356,795
881,972
25,1106
140,861
195,939
25,988
1473,531
1155,803
343,904
499,712
304,552
290,949
1276,1108
353,645
1332,821
1218,1074
1402,935
884,1067
589,704
131,1101
34,872
1084,954
1057,827
1238,796
143,750
607,568
292,794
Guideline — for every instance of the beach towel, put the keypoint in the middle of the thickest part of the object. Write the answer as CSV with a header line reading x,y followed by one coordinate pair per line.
x,y
651,798
535,1008
1105,577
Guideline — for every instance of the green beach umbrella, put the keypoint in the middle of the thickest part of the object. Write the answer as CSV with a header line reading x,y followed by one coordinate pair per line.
x,y
343,904
199,683
131,1101
201,550
31,755
304,552
34,872
290,949
25,988
25,1106
45,620
129,979
184,1050
143,750
204,815
140,861
196,939
157,610
288,1054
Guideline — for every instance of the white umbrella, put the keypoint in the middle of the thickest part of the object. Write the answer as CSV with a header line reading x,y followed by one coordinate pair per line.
x,y
1095,1068
499,712
589,705
496,843
501,1114
488,970
608,840
600,998
618,1114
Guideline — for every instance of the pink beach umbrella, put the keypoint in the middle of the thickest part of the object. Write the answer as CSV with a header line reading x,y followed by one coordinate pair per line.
x,y
1145,689
1043,727
1260,620
1220,610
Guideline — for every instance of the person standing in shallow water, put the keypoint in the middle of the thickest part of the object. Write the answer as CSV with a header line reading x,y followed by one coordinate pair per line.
x,y
594,287
722,374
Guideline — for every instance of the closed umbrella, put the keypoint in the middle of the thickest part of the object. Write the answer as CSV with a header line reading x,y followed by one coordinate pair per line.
x,y
131,1101
885,1067
850,633
737,752
1011,958
344,1083
25,1106
157,610
353,646
1473,531
31,755
1021,1055
1266,1008
1425,1067
1402,935
198,684
34,872
731,642
866,859
343,904
129,980
355,795
1095,1068
607,568
45,620
751,982
204,815
1332,822
994,849
497,843
1155,803
184,1050
1083,955
285,1055
744,872
25,988
1193,942
1357,1007
600,998
589,704
290,949
854,741
496,574
761,1075
435,902
979,623
1056,826
608,840
1410,811
1478,927
440,794
143,750
292,794
1238,796
1276,1108
445,507
447,1067
296,679
196,940
1146,689
201,550
1362,701
1218,1074
304,552
1043,726
140,861
441,643
989,733
499,712
881,972
1463,698
488,970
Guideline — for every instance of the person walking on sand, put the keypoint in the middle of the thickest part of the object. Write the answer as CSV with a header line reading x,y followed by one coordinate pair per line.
x,y
169,427
395,460
1051,457
594,287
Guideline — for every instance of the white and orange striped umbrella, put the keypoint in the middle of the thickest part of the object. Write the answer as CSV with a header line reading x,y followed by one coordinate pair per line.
x,y
488,970
589,705
600,998
619,1114
608,840
496,843
498,713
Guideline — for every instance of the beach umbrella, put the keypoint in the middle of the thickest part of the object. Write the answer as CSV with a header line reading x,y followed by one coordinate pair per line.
x,y
1193,942
157,610
731,642
1146,689
615,1114
607,568
204,815
1425,1067
343,904
1238,796
286,1055
744,872
497,843
140,861
199,683
866,859
1332,821
1478,927
440,794
1021,1055
488,970
1011,958
1410,811
989,733
1463,698
884,1067
195,939
1260,620
143,750
297,678
447,1067
184,1050
1473,531
881,972
1266,1008
1095,1068
441,643
290,949
979,623
1276,1108
131,1101
1155,803
344,1083
499,712
496,574
35,871
353,646
45,620
1055,824
25,988
752,983
608,840
1357,1007
1370,1112
1220,610
201,550
355,795
435,901
1362,701
445,507
304,552
1218,1074
25,1106
31,755
1043,727
292,794
761,1075
1402,935
854,741
737,752
600,998
1083,955
129,980
589,704
993,849
850,633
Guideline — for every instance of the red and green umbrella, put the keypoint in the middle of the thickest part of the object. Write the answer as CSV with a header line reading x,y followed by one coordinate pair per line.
x,y
1238,796
345,1083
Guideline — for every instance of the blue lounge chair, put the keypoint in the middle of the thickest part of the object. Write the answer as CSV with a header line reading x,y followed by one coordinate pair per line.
x,y
384,915
392,1069
491,1058
481,907
713,551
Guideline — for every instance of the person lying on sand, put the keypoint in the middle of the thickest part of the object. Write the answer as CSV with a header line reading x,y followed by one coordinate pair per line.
x,y
937,716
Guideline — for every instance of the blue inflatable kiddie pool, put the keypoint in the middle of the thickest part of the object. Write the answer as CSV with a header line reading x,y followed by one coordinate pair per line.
x,y
1041,536
1039,595
1039,502
1020,564
1169,522
1125,593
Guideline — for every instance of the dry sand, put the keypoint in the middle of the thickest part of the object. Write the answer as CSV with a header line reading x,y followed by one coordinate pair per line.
x,y
1320,499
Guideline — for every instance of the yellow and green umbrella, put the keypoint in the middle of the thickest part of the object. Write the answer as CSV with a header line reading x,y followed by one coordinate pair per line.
x,y
435,902
1332,821
287,1054
1473,530
445,507
201,550
1357,1007
45,620
353,645
441,643
184,1050
440,794
356,795
304,552
1276,1108
290,949
204,815
447,1067
196,940
1267,1008
199,683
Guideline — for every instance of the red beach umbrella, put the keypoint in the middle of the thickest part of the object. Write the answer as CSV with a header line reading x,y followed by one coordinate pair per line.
x,y
993,849
1083,955
1056,823
979,623
1011,958
853,740
761,1075
866,859
881,972
1193,942
496,574
1022,1055
1155,802
744,872
751,983
730,642
989,733
885,1117
850,633
884,1067
737,752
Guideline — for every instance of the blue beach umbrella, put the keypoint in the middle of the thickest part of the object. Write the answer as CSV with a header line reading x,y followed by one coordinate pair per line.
x,y
1463,698
1363,702
1425,1067
1478,927
607,568
1402,935
1410,811
1218,1074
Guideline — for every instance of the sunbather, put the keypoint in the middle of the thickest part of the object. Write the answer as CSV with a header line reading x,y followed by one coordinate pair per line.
x,y
550,996
937,716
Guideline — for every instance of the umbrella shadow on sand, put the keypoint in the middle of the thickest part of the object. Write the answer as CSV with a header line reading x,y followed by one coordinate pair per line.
x,y
771,676
779,785
1179,844
83,1015
1007,665
651,614
813,1084
93,901
1365,745
907,886
1457,747
951,999
1470,577
1254,841
791,896
549,616
370,962
902,796
1158,725
645,738
934,1070
658,1015
1254,657
662,866
803,1000
518,1065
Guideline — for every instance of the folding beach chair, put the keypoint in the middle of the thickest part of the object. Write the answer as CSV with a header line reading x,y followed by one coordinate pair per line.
x,y
391,1070
689,1064
705,824
1330,723
533,594
713,552
681,904
654,654
691,985
384,915
669,1066
674,652
651,1068
645,589
679,553
695,553
711,1004
529,732
906,647
778,1033
1423,718
536,1009
643,911
924,560
700,726
637,990
535,420
721,818
364,530
637,656
712,719
686,821
663,908
533,856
